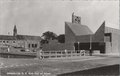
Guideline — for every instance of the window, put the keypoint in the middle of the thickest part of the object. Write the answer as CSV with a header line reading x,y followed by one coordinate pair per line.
x,y
35,45
29,45
3,41
13,41
7,41
108,37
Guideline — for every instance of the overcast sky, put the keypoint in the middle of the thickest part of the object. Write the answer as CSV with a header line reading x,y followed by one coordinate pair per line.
x,y
33,17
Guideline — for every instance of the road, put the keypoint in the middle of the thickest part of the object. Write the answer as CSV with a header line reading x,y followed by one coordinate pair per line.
x,y
51,67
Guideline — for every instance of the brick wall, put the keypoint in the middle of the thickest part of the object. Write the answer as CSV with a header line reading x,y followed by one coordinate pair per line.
x,y
115,43
32,42
115,49
119,45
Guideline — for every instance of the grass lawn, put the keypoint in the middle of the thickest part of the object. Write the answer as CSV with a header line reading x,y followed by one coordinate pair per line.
x,y
59,67
112,70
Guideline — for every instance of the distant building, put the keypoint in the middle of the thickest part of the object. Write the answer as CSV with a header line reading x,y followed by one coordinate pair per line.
x,y
21,42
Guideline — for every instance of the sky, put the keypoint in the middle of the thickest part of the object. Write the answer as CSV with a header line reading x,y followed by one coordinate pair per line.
x,y
33,17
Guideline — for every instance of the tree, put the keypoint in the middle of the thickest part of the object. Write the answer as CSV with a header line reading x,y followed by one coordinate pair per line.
x,y
48,36
61,38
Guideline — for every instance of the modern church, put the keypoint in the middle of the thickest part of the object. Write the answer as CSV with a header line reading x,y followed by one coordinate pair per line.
x,y
106,40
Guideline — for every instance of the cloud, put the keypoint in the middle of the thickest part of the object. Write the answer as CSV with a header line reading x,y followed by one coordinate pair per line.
x,y
36,16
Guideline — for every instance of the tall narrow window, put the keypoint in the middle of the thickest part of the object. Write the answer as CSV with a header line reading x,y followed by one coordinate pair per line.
x,y
32,45
35,45
29,45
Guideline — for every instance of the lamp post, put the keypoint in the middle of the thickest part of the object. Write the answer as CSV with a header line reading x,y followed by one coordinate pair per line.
x,y
78,45
74,48
90,45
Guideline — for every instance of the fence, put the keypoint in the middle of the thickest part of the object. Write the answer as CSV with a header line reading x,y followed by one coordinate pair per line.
x,y
43,54
58,54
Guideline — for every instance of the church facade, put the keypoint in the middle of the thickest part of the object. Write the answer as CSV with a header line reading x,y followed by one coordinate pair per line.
x,y
21,43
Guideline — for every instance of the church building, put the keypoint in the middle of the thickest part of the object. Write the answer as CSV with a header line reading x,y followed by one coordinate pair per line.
x,y
105,40
19,43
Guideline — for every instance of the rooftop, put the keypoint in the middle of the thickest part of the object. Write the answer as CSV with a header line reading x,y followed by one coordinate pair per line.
x,y
79,29
19,37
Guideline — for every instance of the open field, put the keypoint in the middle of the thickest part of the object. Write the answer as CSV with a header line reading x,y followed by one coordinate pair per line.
x,y
51,67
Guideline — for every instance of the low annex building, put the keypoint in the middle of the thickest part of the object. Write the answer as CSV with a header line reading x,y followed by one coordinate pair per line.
x,y
21,43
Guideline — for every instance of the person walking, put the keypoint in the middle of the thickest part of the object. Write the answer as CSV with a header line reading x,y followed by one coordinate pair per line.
x,y
40,53
65,52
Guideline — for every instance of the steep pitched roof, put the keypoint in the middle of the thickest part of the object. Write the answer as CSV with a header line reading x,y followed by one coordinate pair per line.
x,y
79,29
99,34
19,37
27,37
7,37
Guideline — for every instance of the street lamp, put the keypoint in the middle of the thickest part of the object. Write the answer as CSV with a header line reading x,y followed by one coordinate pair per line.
x,y
78,45
90,45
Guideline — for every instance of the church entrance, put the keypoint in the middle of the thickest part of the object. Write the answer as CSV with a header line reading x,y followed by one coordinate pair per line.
x,y
93,46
